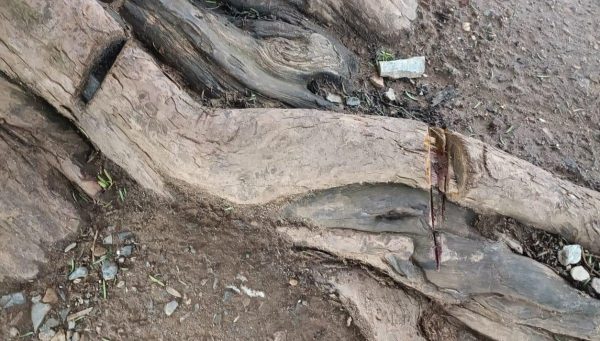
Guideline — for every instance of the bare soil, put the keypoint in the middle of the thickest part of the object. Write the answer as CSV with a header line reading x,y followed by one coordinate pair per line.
x,y
525,78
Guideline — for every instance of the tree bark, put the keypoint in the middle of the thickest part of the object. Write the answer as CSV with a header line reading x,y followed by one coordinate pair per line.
x,y
36,147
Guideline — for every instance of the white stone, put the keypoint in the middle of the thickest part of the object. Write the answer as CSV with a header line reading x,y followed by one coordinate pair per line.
x,y
570,254
580,274
596,285
390,95
170,307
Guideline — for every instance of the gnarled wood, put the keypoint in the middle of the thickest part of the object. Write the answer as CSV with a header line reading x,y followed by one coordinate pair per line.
x,y
212,54
482,283
386,20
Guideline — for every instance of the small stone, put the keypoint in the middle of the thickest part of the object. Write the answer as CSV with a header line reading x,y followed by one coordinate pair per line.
x,y
293,282
71,325
580,274
46,334
377,81
120,284
349,321
570,254
13,299
99,251
13,332
80,272
125,251
170,307
51,323
38,312
390,95
70,247
60,336
109,270
50,296
108,240
466,26
125,236
352,101
333,98
173,292
63,313
596,285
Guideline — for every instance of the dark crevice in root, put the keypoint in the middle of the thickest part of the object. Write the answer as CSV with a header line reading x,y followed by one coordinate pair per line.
x,y
100,69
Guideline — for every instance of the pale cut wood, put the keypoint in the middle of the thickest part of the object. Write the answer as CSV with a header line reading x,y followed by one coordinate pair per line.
x,y
51,46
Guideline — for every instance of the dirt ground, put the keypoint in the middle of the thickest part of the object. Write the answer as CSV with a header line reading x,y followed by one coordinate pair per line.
x,y
525,78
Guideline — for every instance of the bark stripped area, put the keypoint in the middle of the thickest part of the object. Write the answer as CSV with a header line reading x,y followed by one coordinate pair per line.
x,y
276,59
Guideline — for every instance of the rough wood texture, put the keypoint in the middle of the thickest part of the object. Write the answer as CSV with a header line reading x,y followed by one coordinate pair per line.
x,y
35,148
482,283
381,312
277,61
154,128
51,46
386,20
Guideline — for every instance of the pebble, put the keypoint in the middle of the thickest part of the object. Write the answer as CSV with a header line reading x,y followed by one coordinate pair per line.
x,y
108,240
352,101
377,81
80,272
173,292
70,247
109,270
570,254
51,323
466,26
50,296
13,332
99,251
39,311
13,299
390,95
60,336
293,282
170,307
125,236
333,98
46,334
596,285
580,274
349,321
125,251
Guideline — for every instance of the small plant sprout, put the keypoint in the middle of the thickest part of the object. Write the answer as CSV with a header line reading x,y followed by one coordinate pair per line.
x,y
384,56
105,180
122,194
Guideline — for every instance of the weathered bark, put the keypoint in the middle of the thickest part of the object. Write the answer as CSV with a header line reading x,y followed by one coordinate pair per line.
x,y
482,283
35,147
386,20
212,54
51,47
